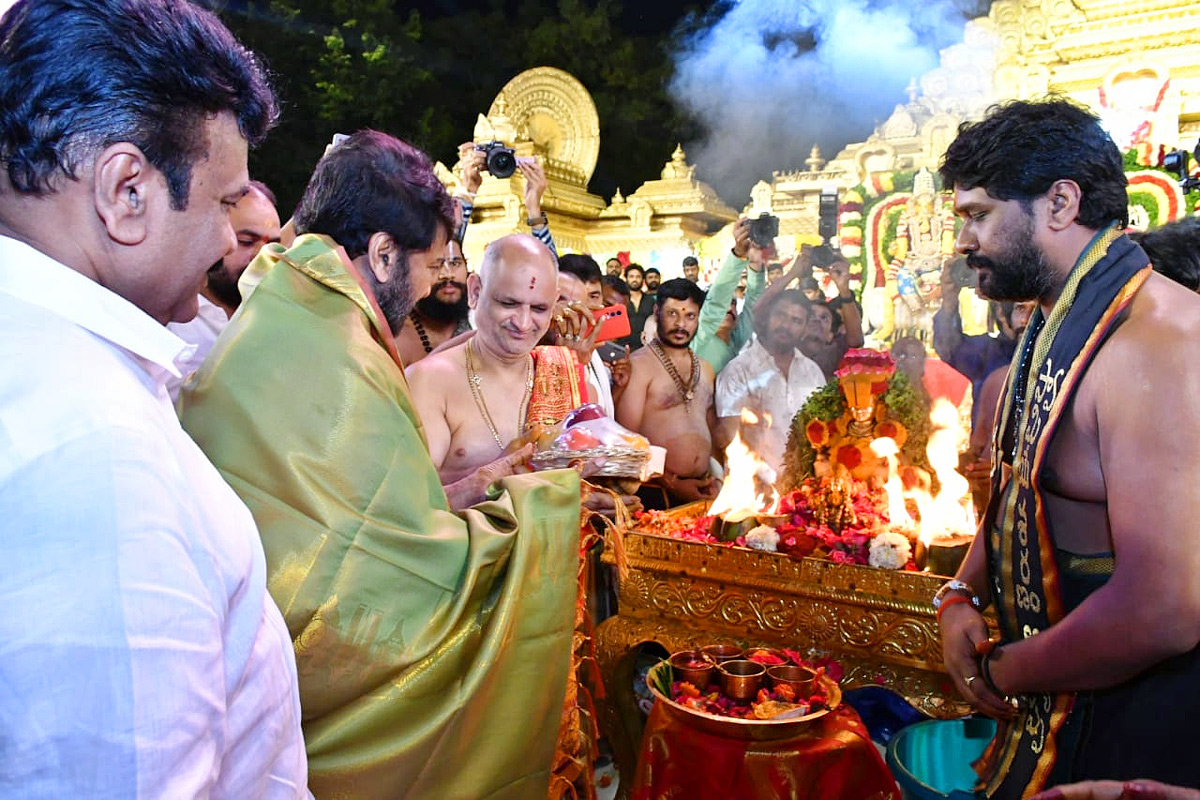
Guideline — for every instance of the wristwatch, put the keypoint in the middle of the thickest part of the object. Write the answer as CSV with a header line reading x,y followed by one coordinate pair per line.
x,y
961,587
534,222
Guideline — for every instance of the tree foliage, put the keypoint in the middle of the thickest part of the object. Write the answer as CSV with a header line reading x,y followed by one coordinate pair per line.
x,y
342,65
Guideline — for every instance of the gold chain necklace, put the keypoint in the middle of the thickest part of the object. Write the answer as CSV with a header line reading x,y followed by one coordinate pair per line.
x,y
686,390
473,381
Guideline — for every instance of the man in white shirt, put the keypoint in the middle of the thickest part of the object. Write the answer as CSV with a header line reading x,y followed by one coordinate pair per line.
x,y
771,377
255,223
140,654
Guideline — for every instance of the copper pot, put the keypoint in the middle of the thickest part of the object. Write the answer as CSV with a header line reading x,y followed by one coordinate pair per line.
x,y
741,679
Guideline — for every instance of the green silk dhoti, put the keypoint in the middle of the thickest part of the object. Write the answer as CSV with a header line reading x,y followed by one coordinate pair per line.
x,y
432,648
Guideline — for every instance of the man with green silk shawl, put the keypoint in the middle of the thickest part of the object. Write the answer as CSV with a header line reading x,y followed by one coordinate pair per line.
x,y
432,648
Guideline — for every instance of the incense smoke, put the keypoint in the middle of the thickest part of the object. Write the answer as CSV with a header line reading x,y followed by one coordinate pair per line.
x,y
769,78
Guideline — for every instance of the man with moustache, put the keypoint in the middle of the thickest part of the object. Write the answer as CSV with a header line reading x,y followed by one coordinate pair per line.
x,y
1089,550
441,315
651,282
413,627
639,305
669,399
613,267
579,282
691,269
476,397
256,223
142,654
771,377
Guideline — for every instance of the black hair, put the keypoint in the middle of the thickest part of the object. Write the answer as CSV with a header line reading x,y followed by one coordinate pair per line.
x,y
372,183
1019,149
1174,250
690,261
77,76
836,322
679,289
652,269
583,267
790,296
616,284
638,267
266,191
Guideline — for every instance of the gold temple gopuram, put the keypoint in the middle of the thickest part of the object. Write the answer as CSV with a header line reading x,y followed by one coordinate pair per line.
x,y
1137,64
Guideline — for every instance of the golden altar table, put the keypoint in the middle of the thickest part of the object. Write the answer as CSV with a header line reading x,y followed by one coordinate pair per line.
x,y
681,594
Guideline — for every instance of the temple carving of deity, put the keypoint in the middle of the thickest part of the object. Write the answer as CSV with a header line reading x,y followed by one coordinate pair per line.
x,y
1133,63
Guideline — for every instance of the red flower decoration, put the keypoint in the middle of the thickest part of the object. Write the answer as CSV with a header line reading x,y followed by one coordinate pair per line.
x,y
887,429
849,456
817,433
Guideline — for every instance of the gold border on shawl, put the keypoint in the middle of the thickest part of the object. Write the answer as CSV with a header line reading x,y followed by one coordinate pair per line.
x,y
1003,544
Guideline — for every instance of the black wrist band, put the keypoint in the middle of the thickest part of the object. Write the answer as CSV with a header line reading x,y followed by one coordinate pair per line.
x,y
985,672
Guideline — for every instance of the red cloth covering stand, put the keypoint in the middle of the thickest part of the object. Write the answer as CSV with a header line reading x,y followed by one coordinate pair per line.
x,y
833,759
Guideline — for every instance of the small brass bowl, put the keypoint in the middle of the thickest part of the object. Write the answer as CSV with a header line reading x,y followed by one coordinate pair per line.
x,y
801,679
722,652
740,679
694,666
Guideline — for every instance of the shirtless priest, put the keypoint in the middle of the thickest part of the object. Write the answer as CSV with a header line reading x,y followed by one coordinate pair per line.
x,y
669,399
474,398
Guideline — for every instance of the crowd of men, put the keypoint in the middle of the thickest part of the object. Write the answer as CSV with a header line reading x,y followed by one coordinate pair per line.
x,y
269,523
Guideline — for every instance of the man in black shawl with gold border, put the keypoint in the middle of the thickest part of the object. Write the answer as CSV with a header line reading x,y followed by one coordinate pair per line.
x,y
1090,548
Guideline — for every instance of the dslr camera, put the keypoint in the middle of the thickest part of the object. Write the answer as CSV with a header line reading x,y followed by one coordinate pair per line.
x,y
501,160
823,255
763,229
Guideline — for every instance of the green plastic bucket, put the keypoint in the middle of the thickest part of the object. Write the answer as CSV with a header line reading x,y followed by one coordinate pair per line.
x,y
931,760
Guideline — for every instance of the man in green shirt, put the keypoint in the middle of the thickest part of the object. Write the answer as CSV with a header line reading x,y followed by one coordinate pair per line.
x,y
723,332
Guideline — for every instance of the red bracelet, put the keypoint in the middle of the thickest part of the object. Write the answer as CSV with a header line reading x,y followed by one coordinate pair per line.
x,y
952,600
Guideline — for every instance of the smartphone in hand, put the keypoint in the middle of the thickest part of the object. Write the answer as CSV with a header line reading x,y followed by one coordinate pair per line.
x,y
613,322
610,352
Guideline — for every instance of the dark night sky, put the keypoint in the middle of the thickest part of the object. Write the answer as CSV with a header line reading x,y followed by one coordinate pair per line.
x,y
648,17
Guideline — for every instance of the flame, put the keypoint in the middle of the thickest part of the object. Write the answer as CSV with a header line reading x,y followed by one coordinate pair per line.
x,y
749,487
893,487
950,513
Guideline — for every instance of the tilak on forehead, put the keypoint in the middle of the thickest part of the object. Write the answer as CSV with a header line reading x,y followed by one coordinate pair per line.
x,y
532,281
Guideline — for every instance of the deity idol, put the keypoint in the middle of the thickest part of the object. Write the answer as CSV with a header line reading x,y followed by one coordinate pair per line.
x,y
831,436
924,241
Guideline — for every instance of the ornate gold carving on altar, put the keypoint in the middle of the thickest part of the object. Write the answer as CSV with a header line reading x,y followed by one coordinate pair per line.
x,y
878,624
710,592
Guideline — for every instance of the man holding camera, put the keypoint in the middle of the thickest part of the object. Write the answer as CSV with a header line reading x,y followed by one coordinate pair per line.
x,y
723,332
825,344
444,313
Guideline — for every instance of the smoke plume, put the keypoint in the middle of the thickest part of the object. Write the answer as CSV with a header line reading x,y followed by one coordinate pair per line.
x,y
769,78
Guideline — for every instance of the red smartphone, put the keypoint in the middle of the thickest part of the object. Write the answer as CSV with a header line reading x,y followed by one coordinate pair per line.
x,y
613,322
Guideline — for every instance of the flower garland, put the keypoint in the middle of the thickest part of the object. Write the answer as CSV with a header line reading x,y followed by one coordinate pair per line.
x,y
903,403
